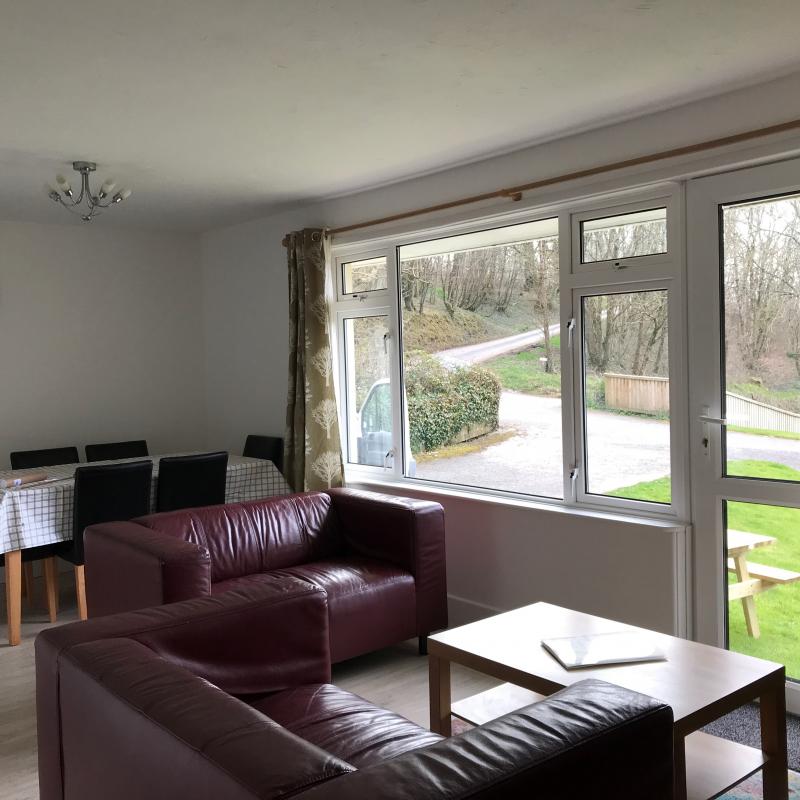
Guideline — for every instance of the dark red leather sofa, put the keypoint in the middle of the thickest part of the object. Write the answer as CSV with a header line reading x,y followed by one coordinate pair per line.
x,y
230,697
379,559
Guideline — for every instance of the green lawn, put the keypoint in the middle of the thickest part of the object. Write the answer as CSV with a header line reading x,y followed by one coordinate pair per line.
x,y
779,608
764,432
523,372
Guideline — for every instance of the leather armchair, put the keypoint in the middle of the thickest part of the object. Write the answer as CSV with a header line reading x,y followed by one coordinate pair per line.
x,y
379,559
229,697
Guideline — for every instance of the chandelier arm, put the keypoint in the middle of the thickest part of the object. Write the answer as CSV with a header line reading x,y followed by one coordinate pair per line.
x,y
70,207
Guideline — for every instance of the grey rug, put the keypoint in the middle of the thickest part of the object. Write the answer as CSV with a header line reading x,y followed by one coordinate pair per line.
x,y
744,726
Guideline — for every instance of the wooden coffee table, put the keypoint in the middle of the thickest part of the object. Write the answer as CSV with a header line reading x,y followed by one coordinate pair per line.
x,y
701,683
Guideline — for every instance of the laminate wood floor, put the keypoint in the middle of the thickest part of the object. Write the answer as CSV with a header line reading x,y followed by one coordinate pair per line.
x,y
395,678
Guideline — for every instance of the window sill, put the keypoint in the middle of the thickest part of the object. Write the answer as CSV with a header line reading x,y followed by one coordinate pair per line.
x,y
417,488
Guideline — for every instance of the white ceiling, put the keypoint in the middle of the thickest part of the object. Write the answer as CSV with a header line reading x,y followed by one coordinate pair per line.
x,y
217,111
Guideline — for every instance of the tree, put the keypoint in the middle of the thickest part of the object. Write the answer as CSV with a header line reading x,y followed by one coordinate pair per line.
x,y
417,279
322,362
541,278
325,414
327,466
319,308
756,278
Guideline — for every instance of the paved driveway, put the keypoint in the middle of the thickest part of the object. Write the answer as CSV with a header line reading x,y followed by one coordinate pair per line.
x,y
622,450
478,353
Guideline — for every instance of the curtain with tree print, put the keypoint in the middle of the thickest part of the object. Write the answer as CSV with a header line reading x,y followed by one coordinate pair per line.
x,y
313,457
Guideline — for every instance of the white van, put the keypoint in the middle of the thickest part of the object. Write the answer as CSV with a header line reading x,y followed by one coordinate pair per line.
x,y
374,424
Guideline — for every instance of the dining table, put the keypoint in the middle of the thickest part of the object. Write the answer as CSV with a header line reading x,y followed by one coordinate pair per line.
x,y
40,513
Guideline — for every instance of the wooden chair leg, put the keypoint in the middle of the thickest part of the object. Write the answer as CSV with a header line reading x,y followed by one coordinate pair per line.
x,y
28,586
14,595
80,589
51,587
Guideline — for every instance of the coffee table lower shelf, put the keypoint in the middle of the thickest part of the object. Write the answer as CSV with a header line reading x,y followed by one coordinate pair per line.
x,y
713,765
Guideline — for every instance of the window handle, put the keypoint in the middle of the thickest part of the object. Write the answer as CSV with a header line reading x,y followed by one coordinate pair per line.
x,y
389,454
573,479
571,330
385,340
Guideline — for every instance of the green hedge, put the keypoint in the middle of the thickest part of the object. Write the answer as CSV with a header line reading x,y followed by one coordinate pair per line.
x,y
442,402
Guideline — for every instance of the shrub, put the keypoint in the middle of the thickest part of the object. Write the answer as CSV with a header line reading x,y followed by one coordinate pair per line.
x,y
442,402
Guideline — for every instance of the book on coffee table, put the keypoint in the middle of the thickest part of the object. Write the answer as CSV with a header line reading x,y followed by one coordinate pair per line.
x,y
592,650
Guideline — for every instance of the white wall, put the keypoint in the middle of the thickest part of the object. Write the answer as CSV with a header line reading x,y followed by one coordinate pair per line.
x,y
102,337
496,557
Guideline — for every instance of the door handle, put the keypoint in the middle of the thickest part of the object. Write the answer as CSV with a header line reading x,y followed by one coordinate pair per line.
x,y
713,420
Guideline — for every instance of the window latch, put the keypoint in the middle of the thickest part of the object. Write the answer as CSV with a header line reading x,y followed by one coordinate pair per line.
x,y
389,454
571,330
573,479
386,337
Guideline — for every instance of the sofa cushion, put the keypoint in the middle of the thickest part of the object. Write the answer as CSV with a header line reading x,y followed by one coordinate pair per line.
x,y
344,724
251,581
371,603
257,536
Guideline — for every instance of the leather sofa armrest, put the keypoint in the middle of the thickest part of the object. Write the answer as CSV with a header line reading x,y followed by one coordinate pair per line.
x,y
403,531
591,739
267,637
158,731
129,566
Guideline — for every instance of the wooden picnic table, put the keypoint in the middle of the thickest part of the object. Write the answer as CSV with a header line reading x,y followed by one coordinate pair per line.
x,y
752,578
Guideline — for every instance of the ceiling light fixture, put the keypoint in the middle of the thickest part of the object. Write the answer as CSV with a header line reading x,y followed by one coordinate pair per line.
x,y
86,205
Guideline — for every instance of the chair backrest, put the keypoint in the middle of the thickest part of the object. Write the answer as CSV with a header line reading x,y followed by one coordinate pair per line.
x,y
27,459
191,481
266,447
259,535
108,493
112,450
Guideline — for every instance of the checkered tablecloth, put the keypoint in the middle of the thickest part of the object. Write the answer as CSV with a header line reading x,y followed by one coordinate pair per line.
x,y
42,514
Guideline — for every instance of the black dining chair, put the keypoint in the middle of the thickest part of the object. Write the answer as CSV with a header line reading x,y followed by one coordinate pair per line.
x,y
31,459
114,450
269,448
107,493
47,555
191,481
28,459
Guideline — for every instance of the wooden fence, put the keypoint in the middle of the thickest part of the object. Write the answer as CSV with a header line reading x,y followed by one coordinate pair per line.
x,y
752,414
636,393
651,395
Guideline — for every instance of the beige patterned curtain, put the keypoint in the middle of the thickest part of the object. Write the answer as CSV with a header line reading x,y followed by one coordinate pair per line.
x,y
313,454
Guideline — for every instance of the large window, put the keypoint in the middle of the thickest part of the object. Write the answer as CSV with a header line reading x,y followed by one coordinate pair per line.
x,y
481,358
492,359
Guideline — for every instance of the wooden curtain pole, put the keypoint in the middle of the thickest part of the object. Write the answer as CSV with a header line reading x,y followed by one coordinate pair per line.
x,y
515,192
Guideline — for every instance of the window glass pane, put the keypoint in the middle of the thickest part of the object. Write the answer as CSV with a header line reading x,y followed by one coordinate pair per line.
x,y
481,356
761,283
369,394
626,389
642,233
368,275
763,544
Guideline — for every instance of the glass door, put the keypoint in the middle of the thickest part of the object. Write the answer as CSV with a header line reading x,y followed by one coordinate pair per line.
x,y
744,299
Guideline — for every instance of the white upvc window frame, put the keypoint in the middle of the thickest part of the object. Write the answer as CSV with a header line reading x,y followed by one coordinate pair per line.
x,y
650,262
667,268
373,295
658,271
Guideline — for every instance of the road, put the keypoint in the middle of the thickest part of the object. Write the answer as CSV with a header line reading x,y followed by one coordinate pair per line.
x,y
476,353
623,450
